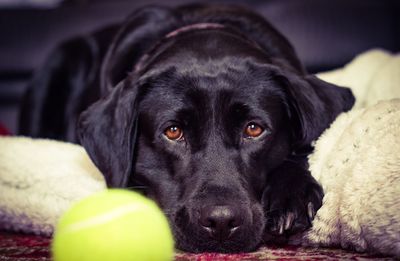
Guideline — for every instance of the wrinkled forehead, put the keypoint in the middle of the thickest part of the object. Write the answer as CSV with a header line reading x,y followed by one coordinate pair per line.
x,y
207,69
210,87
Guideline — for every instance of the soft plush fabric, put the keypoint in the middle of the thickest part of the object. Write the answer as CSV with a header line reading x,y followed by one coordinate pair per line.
x,y
356,160
39,180
372,76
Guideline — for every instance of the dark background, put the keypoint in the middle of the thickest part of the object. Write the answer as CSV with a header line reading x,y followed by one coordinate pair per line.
x,y
325,34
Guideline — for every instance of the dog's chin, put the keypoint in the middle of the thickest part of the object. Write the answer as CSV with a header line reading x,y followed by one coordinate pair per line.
x,y
190,238
198,245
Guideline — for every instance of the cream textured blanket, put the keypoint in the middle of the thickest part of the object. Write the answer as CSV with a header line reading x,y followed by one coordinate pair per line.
x,y
357,161
39,180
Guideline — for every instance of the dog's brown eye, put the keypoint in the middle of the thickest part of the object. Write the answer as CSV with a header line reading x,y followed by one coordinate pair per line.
x,y
253,130
173,133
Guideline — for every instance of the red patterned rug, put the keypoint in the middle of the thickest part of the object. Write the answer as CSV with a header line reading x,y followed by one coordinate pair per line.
x,y
32,248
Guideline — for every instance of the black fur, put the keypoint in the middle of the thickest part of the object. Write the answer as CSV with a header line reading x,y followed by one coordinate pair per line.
x,y
221,190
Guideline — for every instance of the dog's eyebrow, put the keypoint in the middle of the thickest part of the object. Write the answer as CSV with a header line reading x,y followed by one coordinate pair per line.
x,y
245,111
240,108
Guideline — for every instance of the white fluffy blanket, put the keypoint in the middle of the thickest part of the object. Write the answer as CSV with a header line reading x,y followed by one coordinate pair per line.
x,y
39,180
357,161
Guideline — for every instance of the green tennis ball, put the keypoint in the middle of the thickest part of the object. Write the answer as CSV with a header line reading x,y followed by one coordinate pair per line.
x,y
115,225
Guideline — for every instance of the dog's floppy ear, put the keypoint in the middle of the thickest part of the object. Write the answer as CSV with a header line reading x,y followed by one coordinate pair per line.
x,y
314,104
142,30
107,130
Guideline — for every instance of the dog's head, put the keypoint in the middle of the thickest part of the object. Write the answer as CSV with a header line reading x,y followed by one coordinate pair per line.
x,y
201,122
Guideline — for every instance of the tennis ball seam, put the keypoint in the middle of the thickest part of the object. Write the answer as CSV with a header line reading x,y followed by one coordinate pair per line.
x,y
104,218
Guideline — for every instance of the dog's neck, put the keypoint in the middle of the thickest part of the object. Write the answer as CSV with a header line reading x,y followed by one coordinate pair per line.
x,y
194,27
184,29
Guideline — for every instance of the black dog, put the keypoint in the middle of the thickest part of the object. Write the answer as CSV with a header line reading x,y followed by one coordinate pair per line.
x,y
215,119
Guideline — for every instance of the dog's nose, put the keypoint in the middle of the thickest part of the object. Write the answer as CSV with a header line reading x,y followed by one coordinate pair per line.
x,y
220,221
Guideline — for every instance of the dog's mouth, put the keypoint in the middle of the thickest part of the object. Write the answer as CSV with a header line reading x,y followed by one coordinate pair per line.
x,y
220,228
